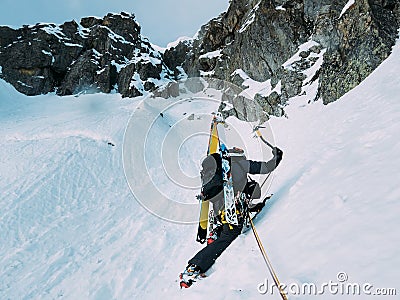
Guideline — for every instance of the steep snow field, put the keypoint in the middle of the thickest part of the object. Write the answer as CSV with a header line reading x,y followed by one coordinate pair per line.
x,y
71,229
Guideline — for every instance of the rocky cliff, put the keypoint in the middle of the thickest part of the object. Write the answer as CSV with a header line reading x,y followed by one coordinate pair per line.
x,y
281,42
320,49
96,55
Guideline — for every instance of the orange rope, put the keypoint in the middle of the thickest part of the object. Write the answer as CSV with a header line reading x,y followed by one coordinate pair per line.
x,y
268,262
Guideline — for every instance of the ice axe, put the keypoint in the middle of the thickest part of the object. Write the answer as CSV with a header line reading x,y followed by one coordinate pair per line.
x,y
256,129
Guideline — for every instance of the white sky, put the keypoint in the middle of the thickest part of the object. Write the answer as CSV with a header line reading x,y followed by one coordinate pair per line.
x,y
162,21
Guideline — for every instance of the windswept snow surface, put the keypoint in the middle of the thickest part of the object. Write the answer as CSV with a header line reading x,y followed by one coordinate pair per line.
x,y
71,229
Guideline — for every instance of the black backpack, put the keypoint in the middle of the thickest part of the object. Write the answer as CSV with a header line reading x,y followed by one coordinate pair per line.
x,y
211,176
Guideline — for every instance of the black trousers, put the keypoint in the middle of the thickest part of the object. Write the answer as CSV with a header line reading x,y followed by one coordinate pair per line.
x,y
206,257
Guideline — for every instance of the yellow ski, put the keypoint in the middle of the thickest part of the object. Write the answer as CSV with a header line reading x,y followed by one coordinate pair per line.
x,y
213,147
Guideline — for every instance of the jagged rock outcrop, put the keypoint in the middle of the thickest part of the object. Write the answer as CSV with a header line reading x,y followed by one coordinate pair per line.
x,y
258,37
360,40
97,55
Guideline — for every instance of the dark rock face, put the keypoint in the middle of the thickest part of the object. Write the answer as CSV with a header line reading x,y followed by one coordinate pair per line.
x,y
33,59
258,37
96,56
176,56
365,35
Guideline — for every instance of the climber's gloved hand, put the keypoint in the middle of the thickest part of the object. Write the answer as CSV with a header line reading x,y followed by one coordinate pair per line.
x,y
278,154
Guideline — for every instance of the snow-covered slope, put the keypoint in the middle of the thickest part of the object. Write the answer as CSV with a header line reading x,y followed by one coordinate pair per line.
x,y
71,229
